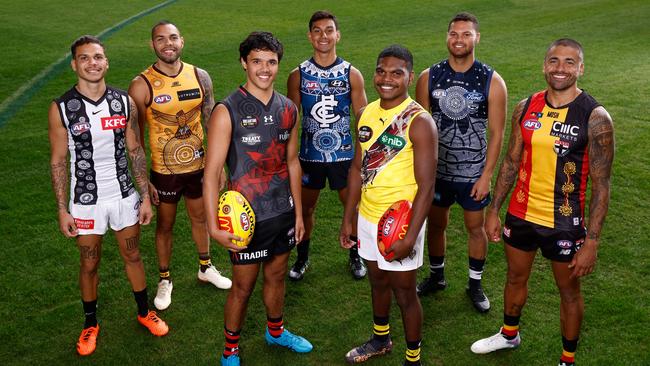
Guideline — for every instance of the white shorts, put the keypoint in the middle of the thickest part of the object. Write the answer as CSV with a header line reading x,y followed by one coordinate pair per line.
x,y
95,219
367,234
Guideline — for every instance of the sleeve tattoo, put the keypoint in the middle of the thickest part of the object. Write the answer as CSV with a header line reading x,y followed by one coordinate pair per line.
x,y
601,156
136,154
59,175
208,98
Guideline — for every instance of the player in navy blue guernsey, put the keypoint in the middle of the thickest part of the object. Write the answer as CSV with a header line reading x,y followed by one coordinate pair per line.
x,y
328,90
254,132
468,101
97,126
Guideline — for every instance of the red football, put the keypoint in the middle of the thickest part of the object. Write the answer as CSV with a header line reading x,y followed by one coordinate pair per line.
x,y
392,226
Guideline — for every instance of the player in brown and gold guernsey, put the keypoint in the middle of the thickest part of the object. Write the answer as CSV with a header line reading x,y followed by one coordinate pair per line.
x,y
560,137
174,101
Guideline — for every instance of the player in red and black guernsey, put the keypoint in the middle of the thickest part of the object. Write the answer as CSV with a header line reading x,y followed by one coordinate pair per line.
x,y
174,100
329,90
254,132
560,138
96,125
467,99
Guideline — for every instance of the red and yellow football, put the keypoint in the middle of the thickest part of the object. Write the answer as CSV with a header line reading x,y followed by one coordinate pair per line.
x,y
392,226
236,216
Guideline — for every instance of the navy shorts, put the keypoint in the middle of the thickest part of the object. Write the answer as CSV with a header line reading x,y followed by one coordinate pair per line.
x,y
171,187
314,174
556,245
272,237
449,192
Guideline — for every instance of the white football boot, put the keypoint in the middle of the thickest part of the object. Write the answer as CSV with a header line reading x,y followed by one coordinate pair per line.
x,y
163,295
494,343
214,277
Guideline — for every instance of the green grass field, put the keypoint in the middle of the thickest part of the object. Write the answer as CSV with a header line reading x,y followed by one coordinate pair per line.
x,y
40,308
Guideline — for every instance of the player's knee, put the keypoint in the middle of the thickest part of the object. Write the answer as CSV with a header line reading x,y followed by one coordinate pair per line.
x,y
132,258
89,267
570,296
477,232
241,292
516,279
405,297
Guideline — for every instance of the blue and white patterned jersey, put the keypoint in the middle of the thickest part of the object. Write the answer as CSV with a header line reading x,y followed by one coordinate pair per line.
x,y
325,101
459,105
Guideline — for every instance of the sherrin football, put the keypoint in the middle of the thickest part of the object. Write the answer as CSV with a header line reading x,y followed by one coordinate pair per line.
x,y
392,226
236,216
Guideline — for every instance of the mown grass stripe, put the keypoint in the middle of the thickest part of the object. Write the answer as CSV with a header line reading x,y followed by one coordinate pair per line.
x,y
20,97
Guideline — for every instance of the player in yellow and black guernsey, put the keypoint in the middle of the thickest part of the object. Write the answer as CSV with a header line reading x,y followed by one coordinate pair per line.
x,y
174,98
254,132
560,137
395,158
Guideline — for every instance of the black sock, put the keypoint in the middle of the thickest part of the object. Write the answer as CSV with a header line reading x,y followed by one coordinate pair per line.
x,y
475,271
354,251
437,266
510,327
141,300
380,329
90,311
413,352
568,350
303,250
164,274
204,261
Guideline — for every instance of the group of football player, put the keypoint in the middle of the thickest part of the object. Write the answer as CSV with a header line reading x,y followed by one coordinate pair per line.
x,y
433,151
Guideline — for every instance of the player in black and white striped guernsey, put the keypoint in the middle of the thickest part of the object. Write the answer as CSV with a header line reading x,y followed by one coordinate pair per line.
x,y
97,126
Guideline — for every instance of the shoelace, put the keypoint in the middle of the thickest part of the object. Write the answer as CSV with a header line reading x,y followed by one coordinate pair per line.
x,y
87,333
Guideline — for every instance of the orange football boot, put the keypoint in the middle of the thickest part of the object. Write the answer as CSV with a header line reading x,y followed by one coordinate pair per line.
x,y
88,340
156,326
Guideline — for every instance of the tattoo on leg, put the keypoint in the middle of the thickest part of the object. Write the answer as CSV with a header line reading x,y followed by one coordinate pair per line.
x,y
132,243
88,252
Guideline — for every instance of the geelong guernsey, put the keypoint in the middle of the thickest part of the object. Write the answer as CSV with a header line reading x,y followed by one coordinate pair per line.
x,y
99,169
257,156
554,169
459,105
387,173
325,100
174,119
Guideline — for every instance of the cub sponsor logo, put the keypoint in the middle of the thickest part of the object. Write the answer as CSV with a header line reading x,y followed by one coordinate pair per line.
x,y
365,133
86,224
251,139
393,141
561,148
249,122
565,131
162,99
474,97
565,244
439,93
113,123
532,124
244,222
79,128
189,94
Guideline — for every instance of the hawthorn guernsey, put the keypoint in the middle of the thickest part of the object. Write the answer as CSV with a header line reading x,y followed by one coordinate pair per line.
x,y
237,217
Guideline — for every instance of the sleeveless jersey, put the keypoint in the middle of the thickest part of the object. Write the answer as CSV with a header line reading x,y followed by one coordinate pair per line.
x,y
459,105
325,100
554,169
174,119
387,172
257,156
99,169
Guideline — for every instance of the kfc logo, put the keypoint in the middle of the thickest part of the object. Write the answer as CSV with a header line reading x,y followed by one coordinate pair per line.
x,y
113,123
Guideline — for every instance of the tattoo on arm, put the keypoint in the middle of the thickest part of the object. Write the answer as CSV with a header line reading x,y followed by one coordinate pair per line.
x,y
138,159
510,165
59,175
208,98
601,156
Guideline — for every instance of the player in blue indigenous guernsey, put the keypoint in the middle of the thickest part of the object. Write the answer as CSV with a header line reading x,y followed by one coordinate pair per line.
x,y
468,101
329,91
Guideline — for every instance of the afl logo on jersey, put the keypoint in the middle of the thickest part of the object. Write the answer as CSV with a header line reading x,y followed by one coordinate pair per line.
x,y
162,99
439,93
79,128
311,85
532,124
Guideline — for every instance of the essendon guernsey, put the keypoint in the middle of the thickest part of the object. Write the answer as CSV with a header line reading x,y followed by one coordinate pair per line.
x,y
550,189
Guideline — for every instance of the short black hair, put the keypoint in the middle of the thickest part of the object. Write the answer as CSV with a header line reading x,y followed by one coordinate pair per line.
x,y
568,42
397,51
464,17
322,14
162,22
85,39
264,41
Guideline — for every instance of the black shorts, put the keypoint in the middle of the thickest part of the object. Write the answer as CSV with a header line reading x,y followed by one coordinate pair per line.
x,y
449,192
171,187
314,174
556,245
271,237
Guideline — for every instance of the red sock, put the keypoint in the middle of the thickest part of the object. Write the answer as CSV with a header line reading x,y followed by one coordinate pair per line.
x,y
232,343
275,325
